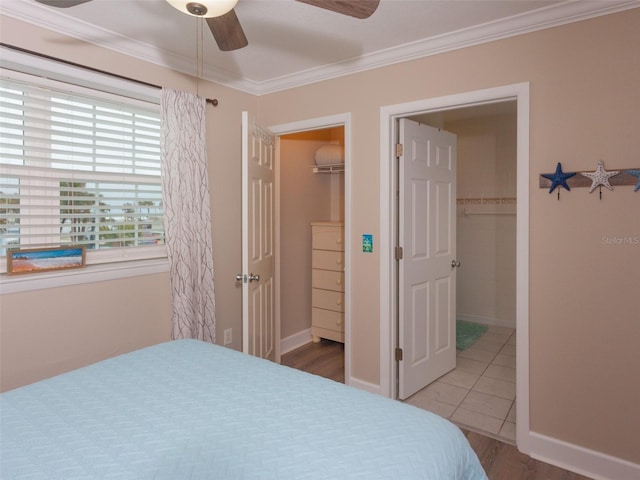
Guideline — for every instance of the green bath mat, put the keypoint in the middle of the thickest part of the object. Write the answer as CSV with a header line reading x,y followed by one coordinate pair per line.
x,y
467,333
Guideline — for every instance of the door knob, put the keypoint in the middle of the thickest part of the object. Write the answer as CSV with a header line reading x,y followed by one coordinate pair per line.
x,y
455,264
253,278
247,278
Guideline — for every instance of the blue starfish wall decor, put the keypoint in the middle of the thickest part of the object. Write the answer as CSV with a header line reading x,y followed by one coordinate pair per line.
x,y
559,178
600,177
637,174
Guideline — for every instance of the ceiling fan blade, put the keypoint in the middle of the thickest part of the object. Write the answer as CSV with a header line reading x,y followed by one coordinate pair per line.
x,y
354,8
227,31
62,3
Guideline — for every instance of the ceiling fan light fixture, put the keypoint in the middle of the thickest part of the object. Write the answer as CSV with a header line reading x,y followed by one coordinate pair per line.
x,y
204,8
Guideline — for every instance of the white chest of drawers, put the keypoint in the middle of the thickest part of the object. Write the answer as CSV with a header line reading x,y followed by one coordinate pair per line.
x,y
327,281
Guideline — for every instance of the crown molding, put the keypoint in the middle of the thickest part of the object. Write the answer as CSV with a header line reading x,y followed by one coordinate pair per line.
x,y
51,19
552,16
44,17
555,15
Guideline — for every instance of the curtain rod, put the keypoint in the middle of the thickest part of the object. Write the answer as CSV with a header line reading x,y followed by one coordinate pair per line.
x,y
212,101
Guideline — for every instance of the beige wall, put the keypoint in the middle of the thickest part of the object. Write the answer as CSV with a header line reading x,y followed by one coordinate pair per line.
x,y
45,332
583,312
486,237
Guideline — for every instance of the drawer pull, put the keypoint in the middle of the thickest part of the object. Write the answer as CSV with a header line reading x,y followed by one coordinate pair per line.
x,y
338,302
339,282
339,321
338,241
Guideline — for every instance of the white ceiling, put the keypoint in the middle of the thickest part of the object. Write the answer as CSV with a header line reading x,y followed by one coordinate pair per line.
x,y
291,43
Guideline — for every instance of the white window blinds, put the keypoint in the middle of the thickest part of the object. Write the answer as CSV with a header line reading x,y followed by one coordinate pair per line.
x,y
79,167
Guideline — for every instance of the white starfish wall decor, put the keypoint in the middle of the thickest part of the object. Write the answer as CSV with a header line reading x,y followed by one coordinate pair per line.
x,y
600,177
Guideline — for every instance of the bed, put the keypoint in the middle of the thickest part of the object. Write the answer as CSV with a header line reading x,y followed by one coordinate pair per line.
x,y
186,409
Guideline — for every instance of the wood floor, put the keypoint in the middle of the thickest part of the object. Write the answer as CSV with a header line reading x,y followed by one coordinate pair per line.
x,y
500,460
325,359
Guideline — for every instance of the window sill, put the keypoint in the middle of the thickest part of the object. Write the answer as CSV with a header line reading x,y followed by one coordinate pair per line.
x,y
92,273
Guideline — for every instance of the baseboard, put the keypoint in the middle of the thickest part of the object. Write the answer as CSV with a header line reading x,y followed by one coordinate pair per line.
x,y
364,385
295,341
302,338
486,320
583,461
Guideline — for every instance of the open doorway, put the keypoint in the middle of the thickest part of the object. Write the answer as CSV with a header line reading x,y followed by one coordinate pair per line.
x,y
389,117
480,392
311,190
313,258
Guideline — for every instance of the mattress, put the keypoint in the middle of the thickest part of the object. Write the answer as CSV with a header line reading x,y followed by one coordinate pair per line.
x,y
186,409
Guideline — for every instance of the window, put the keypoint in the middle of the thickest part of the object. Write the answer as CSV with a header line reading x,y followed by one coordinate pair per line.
x,y
79,166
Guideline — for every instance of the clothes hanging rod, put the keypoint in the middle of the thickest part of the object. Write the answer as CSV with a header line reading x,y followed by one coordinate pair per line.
x,y
468,212
211,101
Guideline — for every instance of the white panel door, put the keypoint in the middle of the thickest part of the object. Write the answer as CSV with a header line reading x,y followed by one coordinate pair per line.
x,y
427,235
258,305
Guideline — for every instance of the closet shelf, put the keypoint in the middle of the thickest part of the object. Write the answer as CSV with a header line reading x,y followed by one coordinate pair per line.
x,y
335,168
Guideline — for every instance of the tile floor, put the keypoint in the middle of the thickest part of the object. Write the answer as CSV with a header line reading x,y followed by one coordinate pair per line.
x,y
480,393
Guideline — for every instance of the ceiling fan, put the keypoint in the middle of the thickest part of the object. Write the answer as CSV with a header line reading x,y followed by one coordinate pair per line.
x,y
223,22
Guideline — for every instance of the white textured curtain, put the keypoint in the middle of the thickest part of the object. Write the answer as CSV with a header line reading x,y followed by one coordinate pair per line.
x,y
187,215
